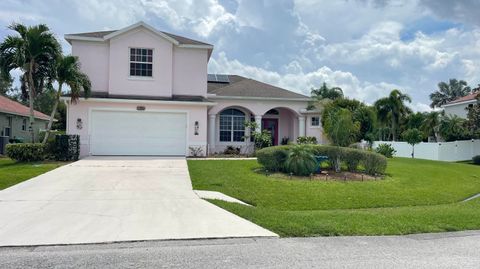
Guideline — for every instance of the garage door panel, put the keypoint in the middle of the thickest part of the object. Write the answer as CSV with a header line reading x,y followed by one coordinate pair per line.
x,y
138,133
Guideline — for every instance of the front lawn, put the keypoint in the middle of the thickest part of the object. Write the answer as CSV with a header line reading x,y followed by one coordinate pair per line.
x,y
12,172
416,196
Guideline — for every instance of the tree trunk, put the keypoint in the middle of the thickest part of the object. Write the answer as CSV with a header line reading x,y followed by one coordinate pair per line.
x,y
52,115
31,95
394,133
413,151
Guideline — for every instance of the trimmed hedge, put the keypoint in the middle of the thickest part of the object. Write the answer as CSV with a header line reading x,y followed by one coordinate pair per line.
x,y
26,152
65,147
476,159
274,158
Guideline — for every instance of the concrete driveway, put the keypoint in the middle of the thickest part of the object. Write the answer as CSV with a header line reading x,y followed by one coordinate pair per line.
x,y
108,199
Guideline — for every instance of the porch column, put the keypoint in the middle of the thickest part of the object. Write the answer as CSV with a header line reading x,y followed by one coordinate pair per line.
x,y
301,126
258,120
211,133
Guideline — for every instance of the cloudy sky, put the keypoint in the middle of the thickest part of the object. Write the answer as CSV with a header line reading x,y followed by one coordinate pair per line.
x,y
366,47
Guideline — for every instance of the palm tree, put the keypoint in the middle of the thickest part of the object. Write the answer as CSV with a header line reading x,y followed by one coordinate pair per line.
x,y
449,92
33,51
67,71
431,124
393,107
453,128
325,92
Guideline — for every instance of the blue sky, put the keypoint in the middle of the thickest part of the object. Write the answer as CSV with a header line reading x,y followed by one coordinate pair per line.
x,y
367,47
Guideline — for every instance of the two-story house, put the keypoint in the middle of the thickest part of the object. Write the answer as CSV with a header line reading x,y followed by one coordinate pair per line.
x,y
152,96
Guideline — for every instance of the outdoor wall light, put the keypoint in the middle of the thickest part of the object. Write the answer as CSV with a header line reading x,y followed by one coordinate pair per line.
x,y
79,124
196,127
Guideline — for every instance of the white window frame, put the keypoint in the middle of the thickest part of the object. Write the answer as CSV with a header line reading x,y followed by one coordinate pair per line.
x,y
139,62
232,127
315,125
24,124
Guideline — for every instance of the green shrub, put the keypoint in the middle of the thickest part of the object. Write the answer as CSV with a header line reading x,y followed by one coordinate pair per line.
x,y
386,150
64,147
476,159
334,154
374,163
306,140
231,150
273,158
352,158
300,161
26,152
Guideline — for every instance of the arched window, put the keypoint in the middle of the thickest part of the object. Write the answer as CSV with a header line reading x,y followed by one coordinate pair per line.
x,y
232,128
272,112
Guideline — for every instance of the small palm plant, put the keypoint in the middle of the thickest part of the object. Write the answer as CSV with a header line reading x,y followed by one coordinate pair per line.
x,y
301,161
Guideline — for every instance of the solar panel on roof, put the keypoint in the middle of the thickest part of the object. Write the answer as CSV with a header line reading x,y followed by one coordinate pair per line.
x,y
218,78
211,78
222,78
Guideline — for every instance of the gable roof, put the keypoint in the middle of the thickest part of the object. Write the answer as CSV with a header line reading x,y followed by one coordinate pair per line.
x,y
11,107
466,98
245,87
105,35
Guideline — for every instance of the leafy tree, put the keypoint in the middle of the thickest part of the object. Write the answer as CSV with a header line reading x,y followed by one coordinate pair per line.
x,y
5,85
67,71
340,128
414,120
453,128
393,108
260,139
33,50
324,92
413,137
362,115
448,92
473,119
431,124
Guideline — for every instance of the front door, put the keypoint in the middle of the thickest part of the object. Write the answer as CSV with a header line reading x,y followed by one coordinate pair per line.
x,y
272,126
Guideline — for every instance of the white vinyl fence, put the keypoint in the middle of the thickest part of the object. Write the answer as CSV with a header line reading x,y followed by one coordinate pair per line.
x,y
439,151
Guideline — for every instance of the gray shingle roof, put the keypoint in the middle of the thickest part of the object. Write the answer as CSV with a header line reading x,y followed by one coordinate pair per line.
x,y
244,87
182,40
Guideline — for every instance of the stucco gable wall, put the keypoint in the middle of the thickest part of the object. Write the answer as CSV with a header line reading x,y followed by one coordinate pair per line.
x,y
120,81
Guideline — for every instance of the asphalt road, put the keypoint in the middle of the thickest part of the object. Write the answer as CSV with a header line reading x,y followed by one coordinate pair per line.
x,y
447,250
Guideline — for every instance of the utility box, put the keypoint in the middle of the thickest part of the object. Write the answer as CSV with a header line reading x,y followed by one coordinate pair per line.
x,y
3,144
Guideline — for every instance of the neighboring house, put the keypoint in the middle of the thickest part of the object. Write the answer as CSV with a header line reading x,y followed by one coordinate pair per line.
x,y
459,106
14,120
152,96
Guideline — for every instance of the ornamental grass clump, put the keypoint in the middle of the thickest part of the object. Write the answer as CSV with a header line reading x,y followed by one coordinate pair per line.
x,y
300,161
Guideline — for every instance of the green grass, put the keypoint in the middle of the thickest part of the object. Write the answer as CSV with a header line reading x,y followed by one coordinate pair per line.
x,y
416,196
12,172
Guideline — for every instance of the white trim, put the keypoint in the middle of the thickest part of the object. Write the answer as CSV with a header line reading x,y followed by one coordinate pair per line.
x,y
82,38
260,98
461,103
70,37
91,109
315,126
130,77
164,102
136,25
192,46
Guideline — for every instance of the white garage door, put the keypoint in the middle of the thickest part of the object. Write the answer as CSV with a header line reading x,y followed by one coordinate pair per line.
x,y
137,133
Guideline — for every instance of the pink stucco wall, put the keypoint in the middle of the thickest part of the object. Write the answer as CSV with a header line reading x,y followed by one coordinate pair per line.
x,y
82,109
176,70
94,61
120,81
190,71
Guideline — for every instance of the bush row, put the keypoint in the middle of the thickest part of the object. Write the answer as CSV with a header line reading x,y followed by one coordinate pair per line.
x,y
274,158
62,148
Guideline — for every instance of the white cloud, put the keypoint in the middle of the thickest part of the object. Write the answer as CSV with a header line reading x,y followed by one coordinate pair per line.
x,y
303,82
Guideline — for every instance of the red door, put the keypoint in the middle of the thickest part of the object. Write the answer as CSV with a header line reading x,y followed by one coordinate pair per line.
x,y
272,126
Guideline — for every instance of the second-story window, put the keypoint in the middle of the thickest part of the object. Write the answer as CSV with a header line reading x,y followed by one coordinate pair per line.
x,y
141,62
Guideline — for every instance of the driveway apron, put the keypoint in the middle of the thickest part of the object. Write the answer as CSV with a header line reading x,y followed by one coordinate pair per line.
x,y
110,199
